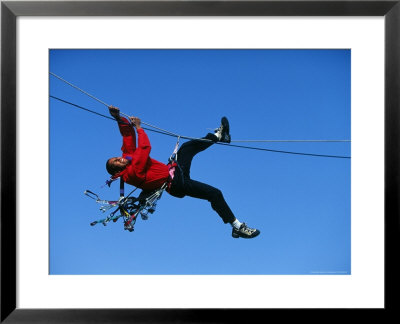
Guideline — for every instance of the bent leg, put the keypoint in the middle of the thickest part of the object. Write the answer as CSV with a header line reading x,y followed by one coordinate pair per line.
x,y
204,191
189,149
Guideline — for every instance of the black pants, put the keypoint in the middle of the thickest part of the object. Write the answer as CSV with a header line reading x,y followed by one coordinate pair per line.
x,y
183,185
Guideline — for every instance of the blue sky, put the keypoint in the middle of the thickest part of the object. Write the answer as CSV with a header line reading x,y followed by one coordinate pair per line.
x,y
301,204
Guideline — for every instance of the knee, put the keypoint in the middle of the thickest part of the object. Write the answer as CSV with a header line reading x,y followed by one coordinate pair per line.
x,y
216,195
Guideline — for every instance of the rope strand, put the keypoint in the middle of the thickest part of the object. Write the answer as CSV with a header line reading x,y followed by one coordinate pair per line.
x,y
79,89
173,134
161,131
165,132
291,141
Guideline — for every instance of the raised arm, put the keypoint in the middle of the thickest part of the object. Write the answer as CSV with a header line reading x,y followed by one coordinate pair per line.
x,y
126,130
143,150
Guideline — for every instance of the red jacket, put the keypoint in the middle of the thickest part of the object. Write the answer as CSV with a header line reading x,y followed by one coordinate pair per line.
x,y
143,172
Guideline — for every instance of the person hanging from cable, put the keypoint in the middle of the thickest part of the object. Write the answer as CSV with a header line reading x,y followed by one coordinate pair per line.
x,y
137,168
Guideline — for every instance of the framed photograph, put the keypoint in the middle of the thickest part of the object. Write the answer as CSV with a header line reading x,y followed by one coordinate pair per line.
x,y
299,103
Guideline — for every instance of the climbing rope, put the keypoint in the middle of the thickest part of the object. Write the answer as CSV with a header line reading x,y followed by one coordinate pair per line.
x,y
290,141
166,132
79,89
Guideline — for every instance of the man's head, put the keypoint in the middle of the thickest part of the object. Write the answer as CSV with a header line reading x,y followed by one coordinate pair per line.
x,y
116,164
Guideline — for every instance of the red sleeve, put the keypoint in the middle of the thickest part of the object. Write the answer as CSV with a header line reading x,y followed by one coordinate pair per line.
x,y
142,153
128,136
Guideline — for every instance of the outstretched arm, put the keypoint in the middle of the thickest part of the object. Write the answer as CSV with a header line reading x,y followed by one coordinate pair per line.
x,y
126,130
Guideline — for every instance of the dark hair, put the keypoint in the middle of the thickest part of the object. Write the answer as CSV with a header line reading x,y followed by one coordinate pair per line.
x,y
111,169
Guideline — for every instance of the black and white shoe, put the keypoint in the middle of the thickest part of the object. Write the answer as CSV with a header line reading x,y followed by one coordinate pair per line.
x,y
245,232
223,131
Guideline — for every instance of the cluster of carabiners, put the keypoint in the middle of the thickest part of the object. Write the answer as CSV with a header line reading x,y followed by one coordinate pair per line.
x,y
147,205
128,208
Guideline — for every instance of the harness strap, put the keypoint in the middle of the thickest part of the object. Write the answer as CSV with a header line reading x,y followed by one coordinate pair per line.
x,y
121,187
172,168
172,165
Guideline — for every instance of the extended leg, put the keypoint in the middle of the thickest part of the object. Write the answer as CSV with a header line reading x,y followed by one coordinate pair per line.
x,y
204,191
182,185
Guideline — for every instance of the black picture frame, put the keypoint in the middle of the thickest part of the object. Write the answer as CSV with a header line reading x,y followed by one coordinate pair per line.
x,y
10,10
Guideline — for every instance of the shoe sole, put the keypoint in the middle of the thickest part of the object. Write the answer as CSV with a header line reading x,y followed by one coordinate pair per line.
x,y
225,123
256,233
